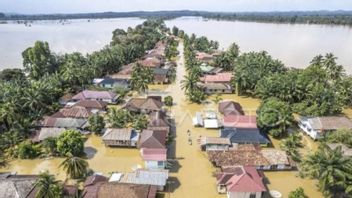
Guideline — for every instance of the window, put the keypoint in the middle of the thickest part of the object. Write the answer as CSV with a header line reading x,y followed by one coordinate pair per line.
x,y
160,163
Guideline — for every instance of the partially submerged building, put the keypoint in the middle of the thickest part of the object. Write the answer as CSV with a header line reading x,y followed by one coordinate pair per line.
x,y
214,144
105,96
125,137
154,158
318,127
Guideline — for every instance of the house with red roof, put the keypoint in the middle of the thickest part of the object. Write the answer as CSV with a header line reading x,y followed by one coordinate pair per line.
x,y
240,182
154,158
240,121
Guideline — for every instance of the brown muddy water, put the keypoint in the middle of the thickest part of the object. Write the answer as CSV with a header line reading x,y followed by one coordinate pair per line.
x,y
191,174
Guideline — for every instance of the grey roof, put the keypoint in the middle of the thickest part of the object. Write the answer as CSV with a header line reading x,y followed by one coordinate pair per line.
x,y
65,122
45,133
120,134
160,71
218,86
330,123
345,150
17,186
150,177
244,136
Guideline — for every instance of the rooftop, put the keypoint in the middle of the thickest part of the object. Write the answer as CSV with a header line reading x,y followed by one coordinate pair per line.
x,y
230,107
89,94
244,135
118,190
240,121
152,139
154,154
125,134
215,140
218,78
330,123
149,177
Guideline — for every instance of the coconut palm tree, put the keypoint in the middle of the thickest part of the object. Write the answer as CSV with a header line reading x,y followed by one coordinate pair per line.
x,y
330,167
75,167
47,186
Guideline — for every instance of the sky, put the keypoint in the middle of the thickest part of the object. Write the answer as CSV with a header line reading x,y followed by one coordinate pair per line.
x,y
81,6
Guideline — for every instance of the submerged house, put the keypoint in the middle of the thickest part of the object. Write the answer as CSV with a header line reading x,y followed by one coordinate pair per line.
x,y
120,137
151,62
251,155
216,88
92,105
73,112
204,57
154,158
161,76
152,139
119,190
45,133
146,105
67,123
224,77
110,83
317,127
244,136
158,122
105,96
240,182
240,121
157,178
17,186
92,185
230,107
214,144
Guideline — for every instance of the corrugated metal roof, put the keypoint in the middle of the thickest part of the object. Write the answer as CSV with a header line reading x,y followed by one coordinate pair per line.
x,y
244,136
149,177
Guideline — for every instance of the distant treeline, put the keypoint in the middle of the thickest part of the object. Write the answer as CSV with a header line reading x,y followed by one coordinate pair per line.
x,y
310,17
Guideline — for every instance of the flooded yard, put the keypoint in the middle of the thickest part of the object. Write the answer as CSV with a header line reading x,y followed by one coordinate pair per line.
x,y
191,174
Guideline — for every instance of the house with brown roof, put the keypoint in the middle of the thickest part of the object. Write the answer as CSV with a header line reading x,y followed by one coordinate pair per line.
x,y
45,133
120,137
92,185
204,57
158,122
251,155
240,182
214,144
124,74
72,112
152,139
92,105
154,158
151,62
224,77
121,190
230,107
105,96
317,127
145,105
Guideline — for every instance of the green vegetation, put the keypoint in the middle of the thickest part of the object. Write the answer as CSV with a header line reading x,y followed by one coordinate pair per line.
x,y
141,77
168,101
119,118
140,122
49,146
332,169
75,167
298,193
274,117
227,59
27,150
23,101
47,186
171,49
96,123
70,143
291,145
340,136
320,89
253,66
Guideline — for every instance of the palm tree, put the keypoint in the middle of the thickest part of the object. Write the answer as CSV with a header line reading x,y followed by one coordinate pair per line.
x,y
47,186
75,167
330,167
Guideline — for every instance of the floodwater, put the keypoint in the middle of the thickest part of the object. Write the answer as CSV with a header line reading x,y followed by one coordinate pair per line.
x,y
73,36
295,45
191,174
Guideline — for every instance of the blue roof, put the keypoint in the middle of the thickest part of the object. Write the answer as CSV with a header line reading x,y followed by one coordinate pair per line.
x,y
244,136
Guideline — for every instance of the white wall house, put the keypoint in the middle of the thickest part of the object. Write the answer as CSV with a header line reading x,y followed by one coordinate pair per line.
x,y
317,127
154,159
